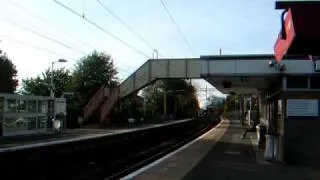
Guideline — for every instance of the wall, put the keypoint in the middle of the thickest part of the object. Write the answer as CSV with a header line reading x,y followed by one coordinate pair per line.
x,y
301,133
20,115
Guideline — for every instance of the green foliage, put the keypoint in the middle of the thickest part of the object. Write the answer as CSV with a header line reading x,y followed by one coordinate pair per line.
x,y
181,98
132,106
91,72
8,74
216,102
232,102
41,85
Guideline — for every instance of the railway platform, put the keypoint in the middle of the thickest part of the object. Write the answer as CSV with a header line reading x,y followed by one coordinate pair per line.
x,y
222,154
72,135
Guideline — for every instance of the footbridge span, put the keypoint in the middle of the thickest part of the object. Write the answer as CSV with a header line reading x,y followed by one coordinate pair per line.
x,y
239,73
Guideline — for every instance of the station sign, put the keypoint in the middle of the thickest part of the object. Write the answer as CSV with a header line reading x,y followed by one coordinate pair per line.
x,y
303,107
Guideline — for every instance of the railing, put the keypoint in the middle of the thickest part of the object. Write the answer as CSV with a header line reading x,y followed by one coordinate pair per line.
x,y
94,102
109,103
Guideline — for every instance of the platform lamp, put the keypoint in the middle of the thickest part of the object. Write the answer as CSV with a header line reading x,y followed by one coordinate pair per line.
x,y
51,79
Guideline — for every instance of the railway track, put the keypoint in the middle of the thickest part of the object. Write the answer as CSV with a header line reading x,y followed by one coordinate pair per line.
x,y
171,146
116,159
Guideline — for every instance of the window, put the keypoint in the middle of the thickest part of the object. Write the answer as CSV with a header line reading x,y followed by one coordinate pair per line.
x,y
1,105
22,106
297,82
42,122
22,123
42,106
32,106
10,105
32,123
9,125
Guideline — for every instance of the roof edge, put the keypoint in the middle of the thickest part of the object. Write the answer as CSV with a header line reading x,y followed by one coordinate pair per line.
x,y
250,57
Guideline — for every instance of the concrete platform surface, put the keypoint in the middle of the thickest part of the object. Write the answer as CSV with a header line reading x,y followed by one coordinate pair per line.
x,y
221,154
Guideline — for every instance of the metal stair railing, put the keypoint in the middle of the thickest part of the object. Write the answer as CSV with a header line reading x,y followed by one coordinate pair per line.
x,y
109,103
94,102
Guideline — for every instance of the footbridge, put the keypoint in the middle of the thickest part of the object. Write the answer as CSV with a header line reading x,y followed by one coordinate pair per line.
x,y
238,73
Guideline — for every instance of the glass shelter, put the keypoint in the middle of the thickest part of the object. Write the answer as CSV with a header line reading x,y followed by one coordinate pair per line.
x,y
24,114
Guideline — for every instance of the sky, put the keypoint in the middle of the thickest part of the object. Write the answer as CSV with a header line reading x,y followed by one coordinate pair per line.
x,y
235,26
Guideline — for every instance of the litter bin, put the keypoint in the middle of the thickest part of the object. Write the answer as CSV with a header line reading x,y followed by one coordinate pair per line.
x,y
261,135
56,125
272,148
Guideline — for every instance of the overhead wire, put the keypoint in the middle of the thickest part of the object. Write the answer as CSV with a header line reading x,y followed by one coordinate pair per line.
x,y
127,26
47,22
47,50
51,24
178,28
46,32
63,44
89,21
34,46
102,29
43,36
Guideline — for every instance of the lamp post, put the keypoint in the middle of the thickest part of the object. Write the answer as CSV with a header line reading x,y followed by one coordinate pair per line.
x,y
249,112
0,49
51,79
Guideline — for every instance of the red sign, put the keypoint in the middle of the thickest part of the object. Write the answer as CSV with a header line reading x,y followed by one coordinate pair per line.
x,y
302,32
282,45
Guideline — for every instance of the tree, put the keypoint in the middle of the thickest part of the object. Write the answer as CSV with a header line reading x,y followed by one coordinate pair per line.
x,y
181,98
91,72
8,75
215,107
132,106
215,102
41,85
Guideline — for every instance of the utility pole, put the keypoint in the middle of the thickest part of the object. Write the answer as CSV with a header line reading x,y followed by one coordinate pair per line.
x,y
155,54
245,106
144,106
250,106
0,49
51,77
165,99
240,109
51,81
206,92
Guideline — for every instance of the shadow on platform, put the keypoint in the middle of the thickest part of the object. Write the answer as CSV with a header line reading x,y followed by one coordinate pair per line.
x,y
235,158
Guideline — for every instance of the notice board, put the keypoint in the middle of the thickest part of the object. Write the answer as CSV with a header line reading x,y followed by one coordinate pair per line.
x,y
303,107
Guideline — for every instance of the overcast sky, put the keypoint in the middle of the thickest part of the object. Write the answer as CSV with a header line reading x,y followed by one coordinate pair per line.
x,y
235,26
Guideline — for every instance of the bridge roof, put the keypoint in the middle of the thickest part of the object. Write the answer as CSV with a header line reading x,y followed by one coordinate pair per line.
x,y
284,4
250,57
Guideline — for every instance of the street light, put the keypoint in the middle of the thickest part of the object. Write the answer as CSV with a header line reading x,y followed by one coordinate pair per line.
x,y
52,84
62,60
0,49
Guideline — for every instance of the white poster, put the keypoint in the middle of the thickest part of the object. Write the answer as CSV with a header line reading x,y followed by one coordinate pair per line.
x,y
302,107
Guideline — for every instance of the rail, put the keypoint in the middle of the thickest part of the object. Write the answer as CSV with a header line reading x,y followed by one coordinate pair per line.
x,y
94,102
108,105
